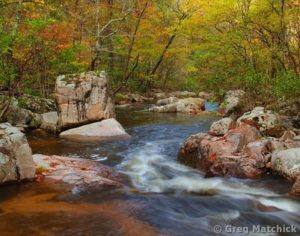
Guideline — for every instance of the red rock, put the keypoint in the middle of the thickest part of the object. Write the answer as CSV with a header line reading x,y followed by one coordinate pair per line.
x,y
221,156
74,171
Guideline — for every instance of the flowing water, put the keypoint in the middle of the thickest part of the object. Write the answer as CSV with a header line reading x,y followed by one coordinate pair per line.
x,y
159,197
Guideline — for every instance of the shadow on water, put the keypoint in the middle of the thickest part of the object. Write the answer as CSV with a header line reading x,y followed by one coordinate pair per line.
x,y
160,196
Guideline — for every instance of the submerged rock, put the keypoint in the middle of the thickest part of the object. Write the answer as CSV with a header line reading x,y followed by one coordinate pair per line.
x,y
100,131
74,171
83,99
15,155
187,105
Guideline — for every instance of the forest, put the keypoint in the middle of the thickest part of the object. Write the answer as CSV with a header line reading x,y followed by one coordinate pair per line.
x,y
149,117
143,44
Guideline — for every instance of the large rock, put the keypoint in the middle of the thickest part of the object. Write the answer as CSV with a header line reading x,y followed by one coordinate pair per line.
x,y
74,171
187,105
15,155
20,117
232,101
221,127
241,152
83,99
268,122
50,122
104,130
287,163
222,156
167,101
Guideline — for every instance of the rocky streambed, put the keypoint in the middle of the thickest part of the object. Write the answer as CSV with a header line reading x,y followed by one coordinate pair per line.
x,y
156,195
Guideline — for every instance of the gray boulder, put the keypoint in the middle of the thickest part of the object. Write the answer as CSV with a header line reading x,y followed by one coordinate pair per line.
x,y
287,163
50,122
20,117
16,162
187,105
105,130
232,101
83,99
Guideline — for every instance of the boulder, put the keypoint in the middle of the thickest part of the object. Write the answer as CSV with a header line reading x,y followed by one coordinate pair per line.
x,y
20,117
167,101
104,130
191,105
268,122
287,163
280,145
221,127
232,101
169,108
296,188
206,96
15,155
83,99
187,105
50,122
74,171
222,156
